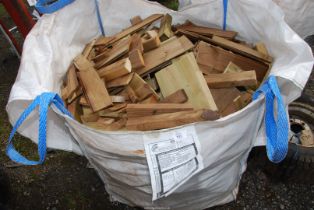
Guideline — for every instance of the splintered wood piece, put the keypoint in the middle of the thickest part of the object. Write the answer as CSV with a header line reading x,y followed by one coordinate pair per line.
x,y
120,82
185,74
209,32
165,31
150,40
136,43
150,100
132,95
141,89
116,70
217,59
83,101
232,68
224,97
64,93
75,95
242,49
170,120
139,110
136,58
118,125
245,78
112,55
89,117
136,20
131,30
103,41
82,64
118,99
75,109
164,53
95,90
88,49
260,47
71,80
177,97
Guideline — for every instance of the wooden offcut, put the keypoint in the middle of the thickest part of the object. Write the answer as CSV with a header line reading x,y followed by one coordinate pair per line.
x,y
150,40
141,89
185,74
260,47
95,90
136,58
170,120
165,31
164,53
178,96
82,64
71,80
120,82
116,70
226,80
136,43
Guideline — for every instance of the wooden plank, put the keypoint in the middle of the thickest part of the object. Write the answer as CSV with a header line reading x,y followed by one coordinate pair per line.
x,y
217,59
242,49
95,90
185,74
71,80
64,93
132,95
88,48
131,30
209,32
139,110
165,31
103,40
232,68
136,43
150,41
83,101
136,20
164,53
82,64
89,118
75,95
245,78
260,47
170,120
120,82
116,70
150,100
112,55
136,58
224,97
75,109
177,97
141,89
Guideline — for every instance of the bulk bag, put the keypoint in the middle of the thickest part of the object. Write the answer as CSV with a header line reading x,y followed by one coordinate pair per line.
x,y
119,157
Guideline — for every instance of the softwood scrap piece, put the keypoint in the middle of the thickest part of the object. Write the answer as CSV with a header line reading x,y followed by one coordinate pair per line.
x,y
209,32
117,99
164,53
82,64
88,48
136,43
232,68
114,54
131,94
141,89
165,31
71,80
241,49
150,100
95,90
224,97
75,109
139,110
136,58
150,40
103,41
245,78
75,95
260,47
120,82
218,59
87,110
177,97
170,120
116,70
131,30
89,118
185,74
136,20
64,93
83,101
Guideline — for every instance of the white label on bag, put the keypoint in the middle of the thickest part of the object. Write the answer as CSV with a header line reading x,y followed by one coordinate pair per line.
x,y
31,2
173,158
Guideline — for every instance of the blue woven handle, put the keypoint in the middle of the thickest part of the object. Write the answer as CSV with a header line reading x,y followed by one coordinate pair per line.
x,y
277,127
48,7
43,101
225,6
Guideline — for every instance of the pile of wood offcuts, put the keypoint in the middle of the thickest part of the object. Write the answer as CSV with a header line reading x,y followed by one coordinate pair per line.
x,y
148,77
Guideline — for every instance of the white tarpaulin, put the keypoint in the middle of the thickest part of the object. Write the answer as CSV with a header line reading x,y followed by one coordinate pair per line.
x,y
119,157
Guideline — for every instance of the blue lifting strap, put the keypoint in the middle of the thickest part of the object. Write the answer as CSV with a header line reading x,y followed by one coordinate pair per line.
x,y
277,127
43,101
49,6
